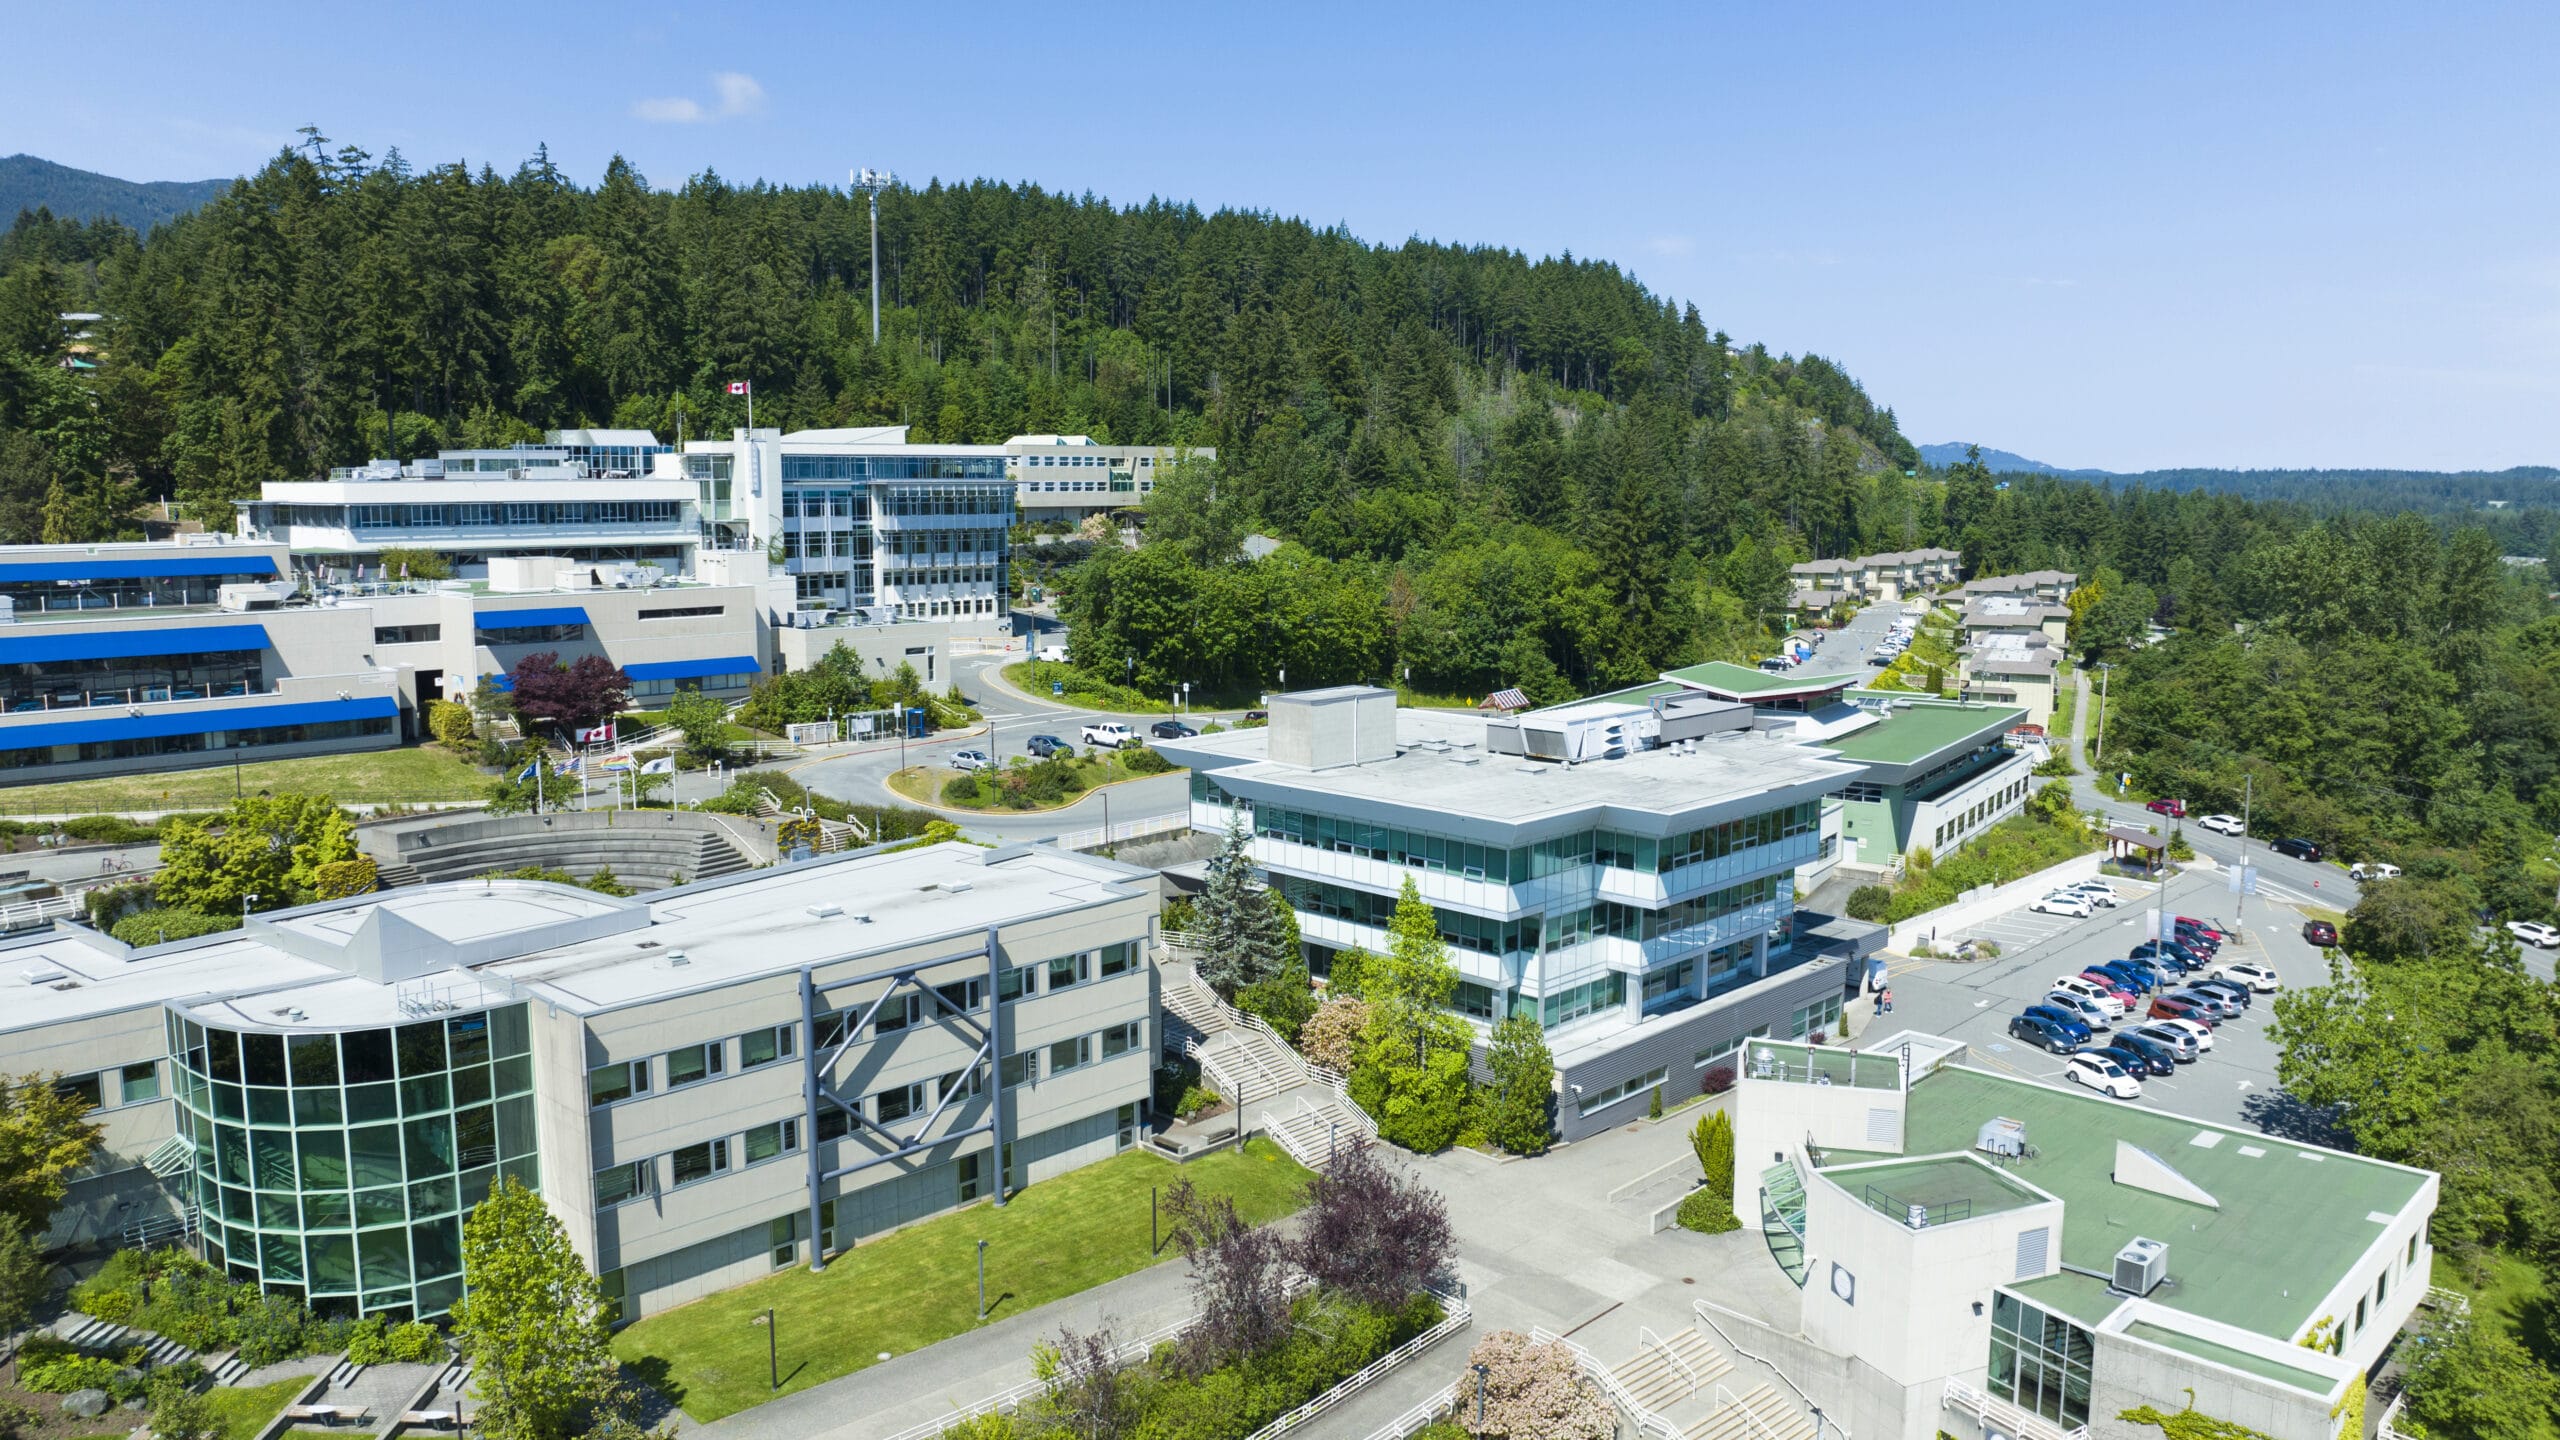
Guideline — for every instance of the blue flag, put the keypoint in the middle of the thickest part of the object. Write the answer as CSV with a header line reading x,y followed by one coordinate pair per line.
x,y
529,769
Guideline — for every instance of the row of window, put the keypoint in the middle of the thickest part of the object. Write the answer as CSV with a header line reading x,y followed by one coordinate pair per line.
x,y
108,1089
1361,907
406,634
886,467
1083,461
653,689
73,684
491,629
1088,486
682,612
510,513
1631,922
942,542
1426,851
147,746
1609,1095
1982,812
821,504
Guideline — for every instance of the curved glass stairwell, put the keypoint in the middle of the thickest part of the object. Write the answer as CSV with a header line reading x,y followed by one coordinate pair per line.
x,y
1782,1217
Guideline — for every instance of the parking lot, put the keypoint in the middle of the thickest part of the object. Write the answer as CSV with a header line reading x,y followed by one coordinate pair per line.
x,y
2235,1082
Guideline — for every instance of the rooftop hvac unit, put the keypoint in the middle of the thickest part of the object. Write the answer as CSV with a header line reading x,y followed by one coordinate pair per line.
x,y
2141,1265
2001,1135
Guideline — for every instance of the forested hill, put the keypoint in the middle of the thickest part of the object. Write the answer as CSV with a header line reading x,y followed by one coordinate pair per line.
x,y
30,183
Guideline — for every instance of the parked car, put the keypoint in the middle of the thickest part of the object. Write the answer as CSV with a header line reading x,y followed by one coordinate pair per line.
x,y
1043,746
1257,715
2261,978
2104,994
2297,848
2223,1007
2090,1012
2138,1058
2196,940
2174,809
2320,933
1109,735
2172,1006
2065,902
2072,1025
2373,870
2128,975
2198,1030
1054,654
2176,954
2224,824
2038,1031
2125,994
2211,931
2219,985
2181,1046
1872,660
2101,1073
1171,730
2535,933
2099,892
971,760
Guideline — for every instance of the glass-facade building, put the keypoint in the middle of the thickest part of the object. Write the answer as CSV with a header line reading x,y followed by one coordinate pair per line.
x,y
337,1165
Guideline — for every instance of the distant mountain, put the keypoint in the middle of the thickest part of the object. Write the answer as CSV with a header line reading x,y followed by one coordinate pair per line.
x,y
27,182
2001,461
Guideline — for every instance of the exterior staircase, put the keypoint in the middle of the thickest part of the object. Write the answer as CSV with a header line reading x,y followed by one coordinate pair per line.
x,y
1301,1106
1668,1369
105,1337
393,874
1685,1386
1760,1413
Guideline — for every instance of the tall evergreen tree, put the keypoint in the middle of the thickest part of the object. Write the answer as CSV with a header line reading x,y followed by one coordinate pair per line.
x,y
1242,939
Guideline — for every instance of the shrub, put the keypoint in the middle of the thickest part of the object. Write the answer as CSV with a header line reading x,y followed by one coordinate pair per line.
x,y
1372,1231
1717,1080
1870,903
1286,1001
1712,1142
150,927
1181,914
15,1419
1141,760
961,789
1196,1100
338,879
1708,1212
62,1374
1530,1391
450,722
1331,1036
108,830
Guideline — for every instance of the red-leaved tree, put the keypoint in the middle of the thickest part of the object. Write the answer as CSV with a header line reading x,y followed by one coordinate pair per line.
x,y
573,697
1372,1230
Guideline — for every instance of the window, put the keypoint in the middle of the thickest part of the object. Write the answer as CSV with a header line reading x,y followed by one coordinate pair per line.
x,y
694,1063
406,634
1017,982
897,1013
679,612
1121,1039
763,1047
766,1141
1019,1069
963,995
833,1124
617,1183
80,1087
1822,1015
1633,1085
898,1103
1069,1054
2039,1362
962,1084
701,1162
1119,959
140,1083
1069,970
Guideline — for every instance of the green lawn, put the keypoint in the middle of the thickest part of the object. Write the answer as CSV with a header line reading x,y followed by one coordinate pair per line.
x,y
2066,699
915,1286
374,776
243,1410
923,783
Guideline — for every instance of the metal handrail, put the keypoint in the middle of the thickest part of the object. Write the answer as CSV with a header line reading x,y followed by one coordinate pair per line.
x,y
1990,1409
1618,1394
1403,1426
1701,1307
1645,1336
1456,1315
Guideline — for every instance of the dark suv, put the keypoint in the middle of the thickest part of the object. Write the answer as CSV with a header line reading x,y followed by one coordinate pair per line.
x,y
2298,848
1044,746
1171,730
2320,933
2036,1030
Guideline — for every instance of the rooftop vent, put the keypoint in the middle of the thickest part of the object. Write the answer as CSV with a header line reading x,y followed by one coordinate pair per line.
x,y
293,1012
957,886
2001,1135
825,911
2140,1266
676,959
44,975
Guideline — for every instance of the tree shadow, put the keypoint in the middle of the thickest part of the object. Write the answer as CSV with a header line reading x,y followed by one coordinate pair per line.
x,y
2281,1115
657,1394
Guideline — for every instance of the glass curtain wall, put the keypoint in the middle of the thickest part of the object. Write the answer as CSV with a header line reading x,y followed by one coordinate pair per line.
x,y
337,1166
2040,1361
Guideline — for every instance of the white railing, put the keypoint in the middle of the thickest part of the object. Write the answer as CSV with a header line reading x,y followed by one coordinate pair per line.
x,y
1332,1079
1991,1410
1645,1336
1123,832
37,912
1753,1422
1646,1420
1701,1307
2386,1429
1455,1315
1403,1426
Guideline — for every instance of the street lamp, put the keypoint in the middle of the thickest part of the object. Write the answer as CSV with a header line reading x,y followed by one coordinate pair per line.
x,y
772,1354
1481,1371
982,1280
874,181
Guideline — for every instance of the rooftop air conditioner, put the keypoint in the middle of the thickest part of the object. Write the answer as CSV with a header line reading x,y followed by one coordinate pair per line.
x,y
2141,1265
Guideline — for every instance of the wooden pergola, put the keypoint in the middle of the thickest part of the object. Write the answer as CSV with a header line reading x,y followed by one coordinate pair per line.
x,y
2128,846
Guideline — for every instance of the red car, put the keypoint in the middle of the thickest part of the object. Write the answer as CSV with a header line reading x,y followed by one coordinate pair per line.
x,y
2320,933
2174,809
2201,928
2113,987
2165,1008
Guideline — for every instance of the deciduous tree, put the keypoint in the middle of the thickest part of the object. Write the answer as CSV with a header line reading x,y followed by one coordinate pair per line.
x,y
1519,1105
572,697
532,1320
45,1138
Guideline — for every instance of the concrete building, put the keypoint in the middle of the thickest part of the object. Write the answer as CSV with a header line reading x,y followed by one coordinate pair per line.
x,y
116,658
706,1084
1623,873
2011,668
1976,1254
1988,615
1065,478
2049,586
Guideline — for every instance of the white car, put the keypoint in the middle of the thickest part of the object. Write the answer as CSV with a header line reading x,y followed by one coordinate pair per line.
x,y
1110,735
2223,824
2065,902
2202,1033
2257,977
2100,1073
2096,892
1055,654
2089,990
2372,870
2090,1012
2535,933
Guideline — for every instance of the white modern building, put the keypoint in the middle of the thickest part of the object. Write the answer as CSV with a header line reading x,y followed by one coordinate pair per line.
x,y
706,1084
1065,478
1623,873
1973,1253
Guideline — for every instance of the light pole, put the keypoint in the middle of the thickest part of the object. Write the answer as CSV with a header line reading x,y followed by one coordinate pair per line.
x,y
772,1352
982,1280
2104,671
874,181
1481,1371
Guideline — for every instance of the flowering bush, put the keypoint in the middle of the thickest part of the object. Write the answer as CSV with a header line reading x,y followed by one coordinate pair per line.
x,y
1331,1036
1531,1392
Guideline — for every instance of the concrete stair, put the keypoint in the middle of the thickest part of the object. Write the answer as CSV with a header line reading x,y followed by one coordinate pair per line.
x,y
393,874
1760,1413
1315,1131
1661,1375
226,1368
105,1337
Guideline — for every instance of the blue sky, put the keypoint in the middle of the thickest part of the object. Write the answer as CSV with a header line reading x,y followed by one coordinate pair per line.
x,y
2160,235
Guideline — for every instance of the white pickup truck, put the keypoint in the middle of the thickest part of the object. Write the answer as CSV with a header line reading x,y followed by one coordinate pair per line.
x,y
1110,735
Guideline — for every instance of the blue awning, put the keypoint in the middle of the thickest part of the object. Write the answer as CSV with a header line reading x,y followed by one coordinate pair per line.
x,y
694,669
17,647
525,619
170,569
116,725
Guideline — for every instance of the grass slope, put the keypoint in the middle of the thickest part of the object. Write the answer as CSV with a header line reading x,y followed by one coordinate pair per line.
x,y
376,776
908,1289
243,1410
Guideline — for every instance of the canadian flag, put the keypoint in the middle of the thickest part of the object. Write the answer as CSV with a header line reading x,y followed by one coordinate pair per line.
x,y
737,387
